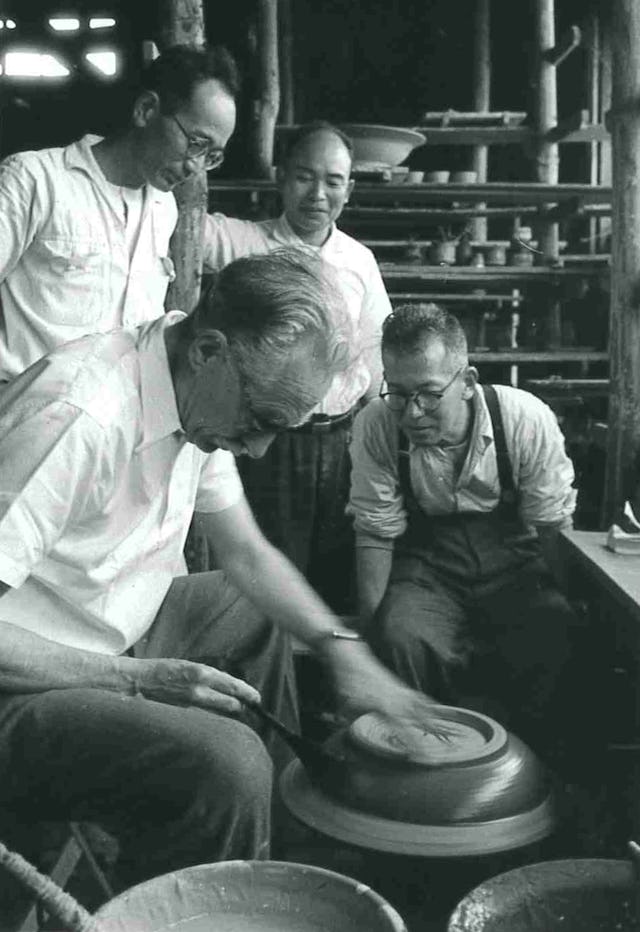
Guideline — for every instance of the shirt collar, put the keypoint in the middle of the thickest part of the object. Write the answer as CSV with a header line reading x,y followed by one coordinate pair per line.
x,y
284,234
160,416
80,155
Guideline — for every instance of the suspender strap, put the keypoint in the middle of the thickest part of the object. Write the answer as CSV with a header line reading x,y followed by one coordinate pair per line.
x,y
505,471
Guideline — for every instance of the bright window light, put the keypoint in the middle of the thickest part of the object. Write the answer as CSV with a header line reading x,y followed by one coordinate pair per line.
x,y
33,65
106,62
64,23
10,24
1,24
101,22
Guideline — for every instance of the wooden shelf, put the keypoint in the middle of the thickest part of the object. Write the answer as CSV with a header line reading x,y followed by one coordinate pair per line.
x,y
518,356
508,192
504,273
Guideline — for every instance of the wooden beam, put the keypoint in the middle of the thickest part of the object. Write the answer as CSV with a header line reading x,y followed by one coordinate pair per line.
x,y
569,41
267,103
182,23
623,443
481,98
285,31
546,117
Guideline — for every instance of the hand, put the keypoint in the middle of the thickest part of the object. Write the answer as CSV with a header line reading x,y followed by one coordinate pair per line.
x,y
363,684
182,682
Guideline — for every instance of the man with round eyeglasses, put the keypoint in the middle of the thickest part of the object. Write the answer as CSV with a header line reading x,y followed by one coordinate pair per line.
x,y
458,493
85,229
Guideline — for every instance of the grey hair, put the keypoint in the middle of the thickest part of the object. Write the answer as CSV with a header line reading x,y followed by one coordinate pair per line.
x,y
410,326
270,305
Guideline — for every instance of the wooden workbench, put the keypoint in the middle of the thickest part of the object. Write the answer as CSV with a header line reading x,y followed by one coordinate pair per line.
x,y
618,574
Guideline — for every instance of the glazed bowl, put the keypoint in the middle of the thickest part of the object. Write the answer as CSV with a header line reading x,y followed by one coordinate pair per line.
x,y
249,896
574,895
402,789
389,145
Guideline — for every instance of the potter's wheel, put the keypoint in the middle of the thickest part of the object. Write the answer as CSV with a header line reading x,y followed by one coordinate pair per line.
x,y
404,791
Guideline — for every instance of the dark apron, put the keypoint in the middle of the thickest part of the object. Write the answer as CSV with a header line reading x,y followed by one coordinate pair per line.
x,y
470,548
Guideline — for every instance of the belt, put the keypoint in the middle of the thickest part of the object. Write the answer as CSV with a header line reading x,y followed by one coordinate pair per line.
x,y
325,423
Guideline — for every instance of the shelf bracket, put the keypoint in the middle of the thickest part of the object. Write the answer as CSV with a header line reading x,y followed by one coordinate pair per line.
x,y
569,41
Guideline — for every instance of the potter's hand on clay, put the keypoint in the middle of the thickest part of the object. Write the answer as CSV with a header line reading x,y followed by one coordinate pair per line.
x,y
182,682
363,684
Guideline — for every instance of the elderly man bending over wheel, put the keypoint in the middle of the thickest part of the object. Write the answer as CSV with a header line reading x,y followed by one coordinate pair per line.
x,y
106,448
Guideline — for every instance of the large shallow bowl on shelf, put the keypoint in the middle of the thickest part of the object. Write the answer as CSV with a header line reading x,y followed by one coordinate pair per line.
x,y
575,895
404,790
386,145
249,896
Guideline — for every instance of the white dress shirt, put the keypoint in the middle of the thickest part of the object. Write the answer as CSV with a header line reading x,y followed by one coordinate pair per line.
x,y
97,489
65,267
542,471
226,239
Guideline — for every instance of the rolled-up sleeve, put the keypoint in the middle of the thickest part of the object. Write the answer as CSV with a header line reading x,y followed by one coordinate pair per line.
x,y
376,502
220,486
545,472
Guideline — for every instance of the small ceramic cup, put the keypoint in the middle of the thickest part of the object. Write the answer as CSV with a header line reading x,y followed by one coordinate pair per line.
x,y
463,177
436,177
414,177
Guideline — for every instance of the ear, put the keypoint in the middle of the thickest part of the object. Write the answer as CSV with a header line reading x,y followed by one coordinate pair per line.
x,y
145,108
205,346
280,175
350,186
470,379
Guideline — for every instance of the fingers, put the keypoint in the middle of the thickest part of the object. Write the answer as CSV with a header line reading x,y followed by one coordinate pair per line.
x,y
181,682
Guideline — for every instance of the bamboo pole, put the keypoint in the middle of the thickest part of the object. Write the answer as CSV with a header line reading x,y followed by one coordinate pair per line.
x,y
287,104
623,438
481,99
267,102
182,23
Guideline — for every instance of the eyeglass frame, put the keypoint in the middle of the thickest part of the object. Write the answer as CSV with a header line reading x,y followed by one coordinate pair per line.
x,y
217,154
414,396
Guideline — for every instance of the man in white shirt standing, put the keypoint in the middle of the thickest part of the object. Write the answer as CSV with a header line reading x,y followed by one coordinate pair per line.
x,y
299,490
459,492
107,446
84,230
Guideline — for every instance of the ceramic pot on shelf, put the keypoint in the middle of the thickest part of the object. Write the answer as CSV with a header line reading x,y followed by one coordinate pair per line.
x,y
442,253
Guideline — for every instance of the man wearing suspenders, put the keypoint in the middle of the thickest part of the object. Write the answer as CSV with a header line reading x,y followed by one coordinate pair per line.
x,y
458,493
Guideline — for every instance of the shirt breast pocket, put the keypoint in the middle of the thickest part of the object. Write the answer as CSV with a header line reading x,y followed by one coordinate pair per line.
x,y
76,273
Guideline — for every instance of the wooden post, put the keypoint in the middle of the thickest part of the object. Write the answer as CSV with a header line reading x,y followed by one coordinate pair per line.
x,y
481,99
182,23
593,96
287,104
546,117
267,102
623,438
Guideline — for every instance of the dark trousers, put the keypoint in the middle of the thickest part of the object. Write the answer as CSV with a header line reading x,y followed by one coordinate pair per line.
x,y
298,492
474,612
176,786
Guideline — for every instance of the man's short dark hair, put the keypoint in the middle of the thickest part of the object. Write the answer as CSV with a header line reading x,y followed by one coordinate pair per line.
x,y
180,68
410,326
294,139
